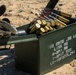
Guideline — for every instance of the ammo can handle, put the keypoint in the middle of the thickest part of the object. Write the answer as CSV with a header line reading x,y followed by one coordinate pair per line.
x,y
51,4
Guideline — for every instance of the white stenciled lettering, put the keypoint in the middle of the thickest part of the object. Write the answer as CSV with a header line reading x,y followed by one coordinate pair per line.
x,y
59,46
60,42
74,36
54,49
65,47
59,59
66,43
69,38
61,49
68,50
72,52
51,46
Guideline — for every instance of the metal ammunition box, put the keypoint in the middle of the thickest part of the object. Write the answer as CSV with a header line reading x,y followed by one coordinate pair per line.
x,y
39,55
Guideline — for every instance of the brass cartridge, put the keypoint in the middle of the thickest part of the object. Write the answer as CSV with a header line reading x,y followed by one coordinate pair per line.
x,y
62,14
52,22
43,22
34,27
46,28
51,29
39,22
42,30
60,18
49,25
58,22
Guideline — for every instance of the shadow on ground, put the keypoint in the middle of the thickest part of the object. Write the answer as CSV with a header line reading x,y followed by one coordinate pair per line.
x,y
7,64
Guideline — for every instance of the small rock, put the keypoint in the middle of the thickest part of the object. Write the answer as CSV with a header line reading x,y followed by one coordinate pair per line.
x,y
10,10
60,4
27,18
54,73
73,63
31,12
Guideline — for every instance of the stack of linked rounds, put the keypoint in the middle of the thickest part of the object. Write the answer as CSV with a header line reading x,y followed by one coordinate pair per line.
x,y
55,20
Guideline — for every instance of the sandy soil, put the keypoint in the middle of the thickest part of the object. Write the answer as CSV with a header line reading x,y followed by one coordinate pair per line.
x,y
21,12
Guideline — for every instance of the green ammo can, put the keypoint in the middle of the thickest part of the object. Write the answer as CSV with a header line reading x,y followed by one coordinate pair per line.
x,y
38,56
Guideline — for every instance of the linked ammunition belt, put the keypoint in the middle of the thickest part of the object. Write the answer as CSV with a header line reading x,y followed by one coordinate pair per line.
x,y
43,24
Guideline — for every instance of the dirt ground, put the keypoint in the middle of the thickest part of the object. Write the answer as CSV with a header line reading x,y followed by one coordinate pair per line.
x,y
21,12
